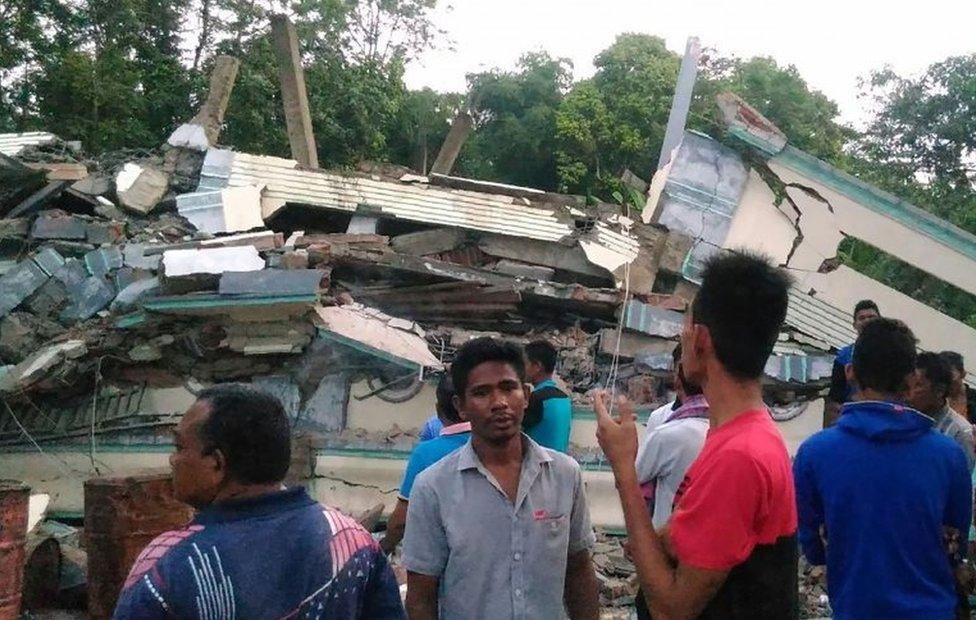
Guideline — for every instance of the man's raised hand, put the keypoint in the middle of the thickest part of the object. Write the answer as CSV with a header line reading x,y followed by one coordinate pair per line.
x,y
618,438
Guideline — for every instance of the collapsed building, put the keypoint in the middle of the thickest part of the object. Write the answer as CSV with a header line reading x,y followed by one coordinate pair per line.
x,y
130,282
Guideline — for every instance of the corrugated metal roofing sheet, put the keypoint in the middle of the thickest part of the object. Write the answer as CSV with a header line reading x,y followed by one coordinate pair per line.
x,y
817,318
11,144
284,182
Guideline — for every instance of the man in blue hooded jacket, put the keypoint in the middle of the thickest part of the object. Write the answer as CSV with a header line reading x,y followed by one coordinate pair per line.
x,y
879,493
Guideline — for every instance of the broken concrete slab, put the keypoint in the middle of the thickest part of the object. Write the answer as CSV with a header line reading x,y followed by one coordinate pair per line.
x,y
189,136
48,300
268,338
38,365
216,261
141,187
325,409
93,185
107,209
353,326
426,242
130,296
99,233
59,226
263,240
14,228
525,270
93,295
19,283
48,260
279,282
227,210
133,255
103,261
297,259
61,171
632,345
127,275
72,273
22,332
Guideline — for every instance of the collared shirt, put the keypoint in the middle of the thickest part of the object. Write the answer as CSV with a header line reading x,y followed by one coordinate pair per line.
x,y
427,453
667,452
496,559
957,428
553,429
280,555
659,415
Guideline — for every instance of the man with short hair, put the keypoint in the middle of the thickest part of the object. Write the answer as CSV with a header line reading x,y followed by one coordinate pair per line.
x,y
878,492
929,390
499,528
255,549
962,398
454,433
549,415
729,549
842,390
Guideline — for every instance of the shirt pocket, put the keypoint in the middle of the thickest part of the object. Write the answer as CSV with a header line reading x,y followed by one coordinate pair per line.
x,y
554,532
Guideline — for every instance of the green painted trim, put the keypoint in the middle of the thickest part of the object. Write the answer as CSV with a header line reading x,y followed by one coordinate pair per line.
x,y
186,302
400,455
753,140
878,200
365,348
588,415
131,320
59,515
83,448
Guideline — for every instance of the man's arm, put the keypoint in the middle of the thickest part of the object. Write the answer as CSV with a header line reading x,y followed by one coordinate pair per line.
x,y
837,394
138,602
582,592
959,508
395,527
810,513
421,596
671,591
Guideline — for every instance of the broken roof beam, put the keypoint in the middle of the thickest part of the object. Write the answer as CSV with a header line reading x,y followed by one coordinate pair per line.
x,y
298,116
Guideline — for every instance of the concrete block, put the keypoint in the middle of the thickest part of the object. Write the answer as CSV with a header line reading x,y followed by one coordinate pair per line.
x,y
140,188
523,270
93,185
133,255
59,227
93,295
99,233
130,296
178,263
48,260
19,283
272,282
101,262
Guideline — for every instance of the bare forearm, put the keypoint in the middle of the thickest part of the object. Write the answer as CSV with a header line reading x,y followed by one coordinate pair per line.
x,y
582,592
420,609
395,528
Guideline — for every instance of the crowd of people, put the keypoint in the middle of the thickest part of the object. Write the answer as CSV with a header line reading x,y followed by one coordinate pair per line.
x,y
492,513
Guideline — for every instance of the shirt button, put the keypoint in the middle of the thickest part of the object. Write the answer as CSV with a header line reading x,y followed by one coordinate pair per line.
x,y
518,592
517,556
514,518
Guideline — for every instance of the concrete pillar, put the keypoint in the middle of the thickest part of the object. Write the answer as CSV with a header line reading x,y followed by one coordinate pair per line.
x,y
297,114
451,148
122,516
222,78
14,501
681,103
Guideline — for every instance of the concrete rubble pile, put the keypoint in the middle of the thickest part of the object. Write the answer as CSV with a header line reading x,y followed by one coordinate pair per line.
x,y
131,280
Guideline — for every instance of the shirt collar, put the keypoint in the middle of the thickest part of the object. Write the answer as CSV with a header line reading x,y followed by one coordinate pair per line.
x,y
456,429
532,454
260,506
550,382
691,407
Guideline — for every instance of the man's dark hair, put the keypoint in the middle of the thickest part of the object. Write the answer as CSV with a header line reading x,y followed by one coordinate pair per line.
x,y
676,356
691,389
954,360
543,353
936,369
884,356
742,301
445,400
866,304
479,351
250,429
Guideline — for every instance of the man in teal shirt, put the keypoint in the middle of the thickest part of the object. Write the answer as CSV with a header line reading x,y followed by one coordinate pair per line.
x,y
549,415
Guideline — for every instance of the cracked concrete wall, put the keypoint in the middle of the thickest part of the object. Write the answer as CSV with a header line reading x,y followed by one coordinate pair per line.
x,y
375,414
759,224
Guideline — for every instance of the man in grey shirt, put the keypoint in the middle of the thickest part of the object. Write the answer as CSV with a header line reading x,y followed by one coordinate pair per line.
x,y
500,528
929,393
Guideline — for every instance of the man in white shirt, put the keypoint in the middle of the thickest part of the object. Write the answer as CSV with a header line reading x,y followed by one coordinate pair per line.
x,y
672,443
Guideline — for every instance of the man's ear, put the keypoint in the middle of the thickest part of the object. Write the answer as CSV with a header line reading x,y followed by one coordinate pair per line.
x,y
220,462
457,405
527,389
849,374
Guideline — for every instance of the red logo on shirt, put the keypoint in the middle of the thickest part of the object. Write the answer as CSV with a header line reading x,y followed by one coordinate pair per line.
x,y
540,515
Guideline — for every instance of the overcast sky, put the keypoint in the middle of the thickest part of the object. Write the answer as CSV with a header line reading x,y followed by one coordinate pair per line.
x,y
831,42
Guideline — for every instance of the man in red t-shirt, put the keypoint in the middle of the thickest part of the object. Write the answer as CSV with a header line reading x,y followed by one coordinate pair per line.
x,y
729,550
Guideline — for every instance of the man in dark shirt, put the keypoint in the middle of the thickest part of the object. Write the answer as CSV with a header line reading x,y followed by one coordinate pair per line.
x,y
841,391
962,398
729,549
255,549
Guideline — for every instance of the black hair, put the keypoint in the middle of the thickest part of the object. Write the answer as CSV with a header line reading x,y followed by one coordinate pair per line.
x,y
676,355
481,350
691,389
742,301
954,360
866,304
445,400
884,356
250,429
542,352
936,369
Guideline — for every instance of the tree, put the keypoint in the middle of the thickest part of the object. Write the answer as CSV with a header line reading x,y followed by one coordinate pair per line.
x,y
515,122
